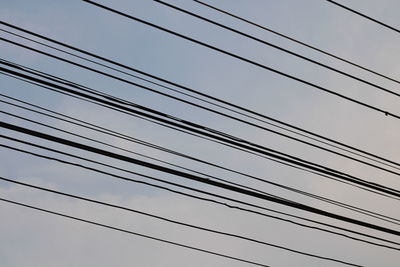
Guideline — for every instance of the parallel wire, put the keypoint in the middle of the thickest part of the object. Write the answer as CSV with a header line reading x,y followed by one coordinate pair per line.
x,y
323,199
192,177
97,170
297,41
381,88
66,82
321,88
364,16
134,233
175,221
338,144
214,134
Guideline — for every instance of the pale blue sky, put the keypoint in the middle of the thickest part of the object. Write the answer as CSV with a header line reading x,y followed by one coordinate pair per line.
x,y
33,239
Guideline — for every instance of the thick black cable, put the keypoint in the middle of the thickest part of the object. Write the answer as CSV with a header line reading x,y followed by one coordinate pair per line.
x,y
364,16
78,86
381,88
220,136
321,88
196,178
209,97
140,154
134,233
189,133
174,221
203,198
323,199
327,200
296,41
103,130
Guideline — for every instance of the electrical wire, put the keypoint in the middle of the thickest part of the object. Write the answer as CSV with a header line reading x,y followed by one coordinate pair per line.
x,y
134,233
195,178
313,136
175,221
97,170
66,82
323,199
321,88
297,41
364,16
381,88
221,137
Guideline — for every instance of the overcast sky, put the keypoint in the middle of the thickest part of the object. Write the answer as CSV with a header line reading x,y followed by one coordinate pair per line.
x,y
31,238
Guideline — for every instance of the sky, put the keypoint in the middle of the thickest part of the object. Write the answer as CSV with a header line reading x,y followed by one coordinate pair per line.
x,y
31,238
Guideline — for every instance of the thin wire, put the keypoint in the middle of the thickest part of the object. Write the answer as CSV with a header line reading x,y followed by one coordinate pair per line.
x,y
206,193
174,221
196,178
279,48
220,136
134,233
296,41
387,113
203,95
327,200
364,16
81,87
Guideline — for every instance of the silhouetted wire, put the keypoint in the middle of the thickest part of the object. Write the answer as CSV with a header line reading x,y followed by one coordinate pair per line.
x,y
186,132
133,233
279,48
69,83
107,204
364,16
327,200
296,41
214,134
321,88
196,178
207,96
202,192
137,154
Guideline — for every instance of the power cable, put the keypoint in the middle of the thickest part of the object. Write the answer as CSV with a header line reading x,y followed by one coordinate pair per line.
x,y
133,233
97,170
323,199
211,134
174,221
321,88
66,82
364,16
296,41
338,144
195,178
279,48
